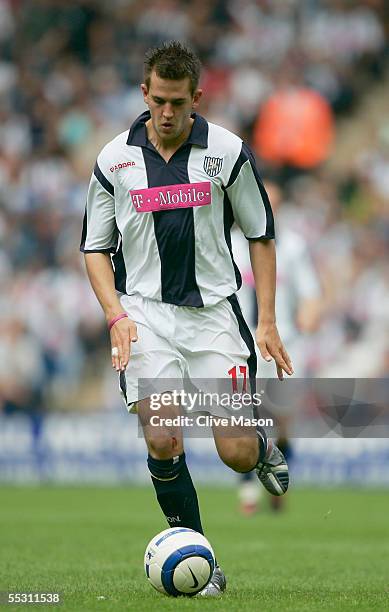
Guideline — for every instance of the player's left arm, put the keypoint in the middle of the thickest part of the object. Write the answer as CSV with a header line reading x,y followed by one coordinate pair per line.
x,y
253,214
263,262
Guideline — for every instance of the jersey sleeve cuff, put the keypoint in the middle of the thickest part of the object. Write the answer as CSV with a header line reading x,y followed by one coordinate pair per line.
x,y
108,250
263,237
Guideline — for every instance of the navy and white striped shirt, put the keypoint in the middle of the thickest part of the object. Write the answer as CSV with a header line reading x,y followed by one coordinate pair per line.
x,y
167,224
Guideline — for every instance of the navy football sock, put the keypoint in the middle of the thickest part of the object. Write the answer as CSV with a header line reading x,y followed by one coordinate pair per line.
x,y
262,447
285,448
247,476
175,492
262,443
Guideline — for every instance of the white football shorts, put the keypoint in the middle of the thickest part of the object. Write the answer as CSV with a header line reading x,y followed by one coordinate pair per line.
x,y
178,343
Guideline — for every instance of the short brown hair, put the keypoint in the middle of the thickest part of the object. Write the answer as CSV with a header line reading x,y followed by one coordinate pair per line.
x,y
174,61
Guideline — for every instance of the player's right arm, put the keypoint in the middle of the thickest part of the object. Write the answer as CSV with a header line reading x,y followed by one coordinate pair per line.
x,y
101,277
100,239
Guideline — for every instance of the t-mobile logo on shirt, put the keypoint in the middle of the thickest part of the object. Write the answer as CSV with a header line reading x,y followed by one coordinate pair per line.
x,y
168,197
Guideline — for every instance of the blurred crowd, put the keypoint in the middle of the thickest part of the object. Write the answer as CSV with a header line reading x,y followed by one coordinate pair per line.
x,y
69,81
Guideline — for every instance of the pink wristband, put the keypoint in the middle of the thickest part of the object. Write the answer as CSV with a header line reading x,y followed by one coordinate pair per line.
x,y
116,319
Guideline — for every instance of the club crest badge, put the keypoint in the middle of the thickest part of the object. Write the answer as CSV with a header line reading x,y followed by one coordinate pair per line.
x,y
213,165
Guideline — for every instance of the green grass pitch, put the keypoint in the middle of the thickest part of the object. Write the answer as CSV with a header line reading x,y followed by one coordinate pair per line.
x,y
329,550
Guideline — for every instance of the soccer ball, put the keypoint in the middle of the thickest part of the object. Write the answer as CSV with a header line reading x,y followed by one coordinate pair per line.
x,y
179,561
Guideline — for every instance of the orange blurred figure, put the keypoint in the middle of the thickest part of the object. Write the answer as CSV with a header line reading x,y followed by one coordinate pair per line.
x,y
295,127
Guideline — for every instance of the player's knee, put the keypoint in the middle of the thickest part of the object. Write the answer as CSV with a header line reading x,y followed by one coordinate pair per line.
x,y
240,455
164,446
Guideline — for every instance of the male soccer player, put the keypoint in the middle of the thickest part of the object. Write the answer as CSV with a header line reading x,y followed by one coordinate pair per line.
x,y
156,237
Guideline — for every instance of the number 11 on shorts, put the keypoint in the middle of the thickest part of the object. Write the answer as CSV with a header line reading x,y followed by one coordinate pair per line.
x,y
234,377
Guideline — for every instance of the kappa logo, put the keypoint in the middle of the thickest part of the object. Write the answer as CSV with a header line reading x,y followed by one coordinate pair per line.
x,y
122,165
213,165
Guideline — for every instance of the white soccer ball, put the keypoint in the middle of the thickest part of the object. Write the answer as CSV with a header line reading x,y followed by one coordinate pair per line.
x,y
179,561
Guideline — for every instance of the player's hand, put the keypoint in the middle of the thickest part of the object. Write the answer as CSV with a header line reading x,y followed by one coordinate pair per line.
x,y
122,334
271,347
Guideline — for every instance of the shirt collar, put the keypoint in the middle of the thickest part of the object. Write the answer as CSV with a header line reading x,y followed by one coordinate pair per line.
x,y
198,136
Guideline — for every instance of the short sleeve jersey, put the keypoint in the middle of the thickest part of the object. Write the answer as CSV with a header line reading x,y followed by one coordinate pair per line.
x,y
167,224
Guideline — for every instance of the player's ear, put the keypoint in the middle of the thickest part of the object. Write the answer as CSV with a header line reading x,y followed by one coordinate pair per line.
x,y
196,97
145,92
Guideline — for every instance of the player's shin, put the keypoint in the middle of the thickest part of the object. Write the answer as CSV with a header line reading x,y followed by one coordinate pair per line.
x,y
175,492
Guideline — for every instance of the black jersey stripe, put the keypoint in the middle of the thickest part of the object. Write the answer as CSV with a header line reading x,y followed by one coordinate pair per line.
x,y
84,230
104,182
174,231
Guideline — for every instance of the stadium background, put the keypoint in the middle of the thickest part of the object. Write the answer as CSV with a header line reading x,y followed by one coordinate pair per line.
x,y
69,81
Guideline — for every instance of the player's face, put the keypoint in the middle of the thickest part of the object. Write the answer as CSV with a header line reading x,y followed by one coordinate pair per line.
x,y
171,104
